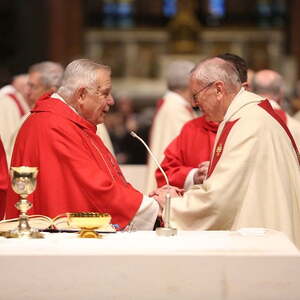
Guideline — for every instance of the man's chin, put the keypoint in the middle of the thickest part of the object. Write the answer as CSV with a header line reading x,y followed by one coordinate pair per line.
x,y
100,120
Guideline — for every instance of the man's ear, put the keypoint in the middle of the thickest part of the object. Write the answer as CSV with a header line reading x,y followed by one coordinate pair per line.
x,y
219,88
246,85
80,93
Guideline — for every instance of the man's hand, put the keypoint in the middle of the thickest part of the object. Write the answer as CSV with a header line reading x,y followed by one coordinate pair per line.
x,y
200,175
160,194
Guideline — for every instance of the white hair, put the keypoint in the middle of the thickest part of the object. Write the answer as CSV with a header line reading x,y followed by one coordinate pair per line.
x,y
51,73
178,73
80,73
214,69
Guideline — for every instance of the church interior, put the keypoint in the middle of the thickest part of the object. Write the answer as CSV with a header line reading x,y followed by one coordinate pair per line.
x,y
139,39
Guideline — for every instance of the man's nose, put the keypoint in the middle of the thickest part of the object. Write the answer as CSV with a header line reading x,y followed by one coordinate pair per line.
x,y
111,100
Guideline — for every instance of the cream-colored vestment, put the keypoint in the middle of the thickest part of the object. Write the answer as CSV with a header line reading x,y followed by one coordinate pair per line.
x,y
104,135
10,118
255,183
292,123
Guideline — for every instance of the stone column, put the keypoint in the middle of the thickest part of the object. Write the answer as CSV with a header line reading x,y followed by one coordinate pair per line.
x,y
65,30
293,32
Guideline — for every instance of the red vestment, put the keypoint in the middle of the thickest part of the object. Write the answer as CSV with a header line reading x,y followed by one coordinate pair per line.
x,y
4,180
77,173
190,148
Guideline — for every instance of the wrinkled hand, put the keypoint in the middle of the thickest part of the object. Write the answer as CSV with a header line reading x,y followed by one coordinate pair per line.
x,y
200,175
160,194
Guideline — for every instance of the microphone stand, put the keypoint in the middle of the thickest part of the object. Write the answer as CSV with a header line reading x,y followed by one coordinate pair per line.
x,y
167,230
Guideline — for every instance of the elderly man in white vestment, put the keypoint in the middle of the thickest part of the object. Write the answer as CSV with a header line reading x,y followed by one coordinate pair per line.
x,y
172,114
253,178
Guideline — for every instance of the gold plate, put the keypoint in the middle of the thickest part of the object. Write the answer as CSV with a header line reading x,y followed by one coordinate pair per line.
x,y
88,222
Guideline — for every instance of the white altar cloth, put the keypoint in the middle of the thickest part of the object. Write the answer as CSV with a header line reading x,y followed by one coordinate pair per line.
x,y
256,264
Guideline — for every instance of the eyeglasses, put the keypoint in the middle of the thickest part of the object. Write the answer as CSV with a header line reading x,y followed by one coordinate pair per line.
x,y
195,96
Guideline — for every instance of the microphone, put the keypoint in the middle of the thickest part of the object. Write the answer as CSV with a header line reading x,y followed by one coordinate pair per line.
x,y
167,230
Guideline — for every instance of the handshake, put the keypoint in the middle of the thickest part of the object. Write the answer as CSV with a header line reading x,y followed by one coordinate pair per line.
x,y
160,194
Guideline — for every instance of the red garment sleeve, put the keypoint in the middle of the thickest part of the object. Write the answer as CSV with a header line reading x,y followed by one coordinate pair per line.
x,y
173,165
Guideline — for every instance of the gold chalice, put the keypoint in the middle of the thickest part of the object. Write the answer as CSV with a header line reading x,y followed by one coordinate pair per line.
x,y
24,183
88,222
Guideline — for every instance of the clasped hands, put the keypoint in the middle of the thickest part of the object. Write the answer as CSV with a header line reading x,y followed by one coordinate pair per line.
x,y
160,194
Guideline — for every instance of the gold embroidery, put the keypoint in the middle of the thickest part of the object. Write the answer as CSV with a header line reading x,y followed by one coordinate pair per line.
x,y
219,149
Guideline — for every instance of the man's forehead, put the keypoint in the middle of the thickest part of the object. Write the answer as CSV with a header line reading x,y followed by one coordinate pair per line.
x,y
194,82
34,76
105,80
104,73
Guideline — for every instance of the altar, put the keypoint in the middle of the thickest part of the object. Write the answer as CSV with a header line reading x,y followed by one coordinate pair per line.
x,y
245,264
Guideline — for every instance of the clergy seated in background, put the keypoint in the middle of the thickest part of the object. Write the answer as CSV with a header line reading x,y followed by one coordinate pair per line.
x,y
253,177
270,84
77,173
186,158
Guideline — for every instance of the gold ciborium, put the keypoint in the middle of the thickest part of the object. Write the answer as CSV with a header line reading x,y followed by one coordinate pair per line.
x,y
24,183
88,222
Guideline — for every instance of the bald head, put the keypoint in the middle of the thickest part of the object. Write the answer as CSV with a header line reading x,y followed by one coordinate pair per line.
x,y
239,63
214,83
217,69
269,84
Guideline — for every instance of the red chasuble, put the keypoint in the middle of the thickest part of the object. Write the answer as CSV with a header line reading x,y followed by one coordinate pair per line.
x,y
77,173
190,148
4,180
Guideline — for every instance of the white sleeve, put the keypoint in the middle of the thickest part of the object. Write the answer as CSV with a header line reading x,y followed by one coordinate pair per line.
x,y
146,215
189,180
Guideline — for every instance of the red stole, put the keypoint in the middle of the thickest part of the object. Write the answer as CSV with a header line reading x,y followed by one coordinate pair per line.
x,y
282,114
277,116
17,102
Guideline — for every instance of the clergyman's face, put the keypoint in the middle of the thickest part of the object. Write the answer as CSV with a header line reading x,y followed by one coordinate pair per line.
x,y
35,87
204,97
95,102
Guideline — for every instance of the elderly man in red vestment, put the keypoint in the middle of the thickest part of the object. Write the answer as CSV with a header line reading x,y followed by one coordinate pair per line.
x,y
186,158
76,171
